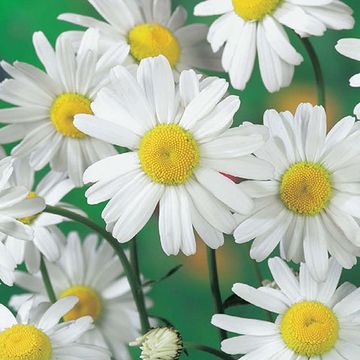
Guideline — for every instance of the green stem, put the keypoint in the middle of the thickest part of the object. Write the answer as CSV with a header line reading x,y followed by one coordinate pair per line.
x,y
208,350
134,257
128,270
134,260
319,77
215,288
47,282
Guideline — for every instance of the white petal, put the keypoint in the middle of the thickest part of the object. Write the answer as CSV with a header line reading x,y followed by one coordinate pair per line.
x,y
285,279
213,210
315,248
225,190
244,326
213,7
7,319
257,298
56,311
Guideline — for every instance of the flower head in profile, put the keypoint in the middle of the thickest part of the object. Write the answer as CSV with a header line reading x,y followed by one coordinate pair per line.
x,y
91,272
250,27
36,334
351,49
46,103
179,143
160,344
15,205
47,237
150,29
311,204
316,320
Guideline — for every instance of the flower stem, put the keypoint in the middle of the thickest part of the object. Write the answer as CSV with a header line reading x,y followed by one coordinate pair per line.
x,y
134,257
319,77
215,288
47,282
208,350
128,270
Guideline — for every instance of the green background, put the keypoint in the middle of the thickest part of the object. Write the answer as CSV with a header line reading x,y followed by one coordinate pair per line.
x,y
185,299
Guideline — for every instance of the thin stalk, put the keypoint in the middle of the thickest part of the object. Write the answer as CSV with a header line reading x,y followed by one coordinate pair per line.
x,y
135,285
47,282
209,350
134,259
319,77
215,288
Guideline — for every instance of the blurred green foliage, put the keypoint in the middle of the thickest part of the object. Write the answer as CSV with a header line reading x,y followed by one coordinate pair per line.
x,y
185,298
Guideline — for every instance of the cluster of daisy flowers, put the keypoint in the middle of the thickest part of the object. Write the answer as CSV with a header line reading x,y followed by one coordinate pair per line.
x,y
124,108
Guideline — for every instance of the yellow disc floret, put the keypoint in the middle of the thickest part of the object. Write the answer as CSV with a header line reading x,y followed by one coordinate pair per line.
x,y
309,328
150,40
89,303
24,342
28,220
306,188
168,154
255,10
63,110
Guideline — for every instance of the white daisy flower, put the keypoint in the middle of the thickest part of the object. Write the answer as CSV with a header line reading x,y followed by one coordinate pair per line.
x,y
47,102
351,49
35,334
247,27
316,319
160,344
176,154
311,203
150,29
92,273
14,206
47,237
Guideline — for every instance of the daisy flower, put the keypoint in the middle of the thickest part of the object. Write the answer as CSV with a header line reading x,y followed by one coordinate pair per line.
x,y
178,141
92,273
47,237
150,29
15,204
247,27
311,203
351,49
35,334
160,343
316,319
47,102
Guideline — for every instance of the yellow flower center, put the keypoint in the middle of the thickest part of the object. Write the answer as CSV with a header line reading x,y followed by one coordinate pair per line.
x,y
28,220
150,40
168,154
255,10
63,110
24,342
89,303
306,188
309,328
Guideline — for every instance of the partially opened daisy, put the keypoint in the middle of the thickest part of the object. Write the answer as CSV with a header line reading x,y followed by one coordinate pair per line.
x,y
316,320
179,142
36,334
150,29
310,205
47,237
351,49
15,204
47,102
91,272
247,27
